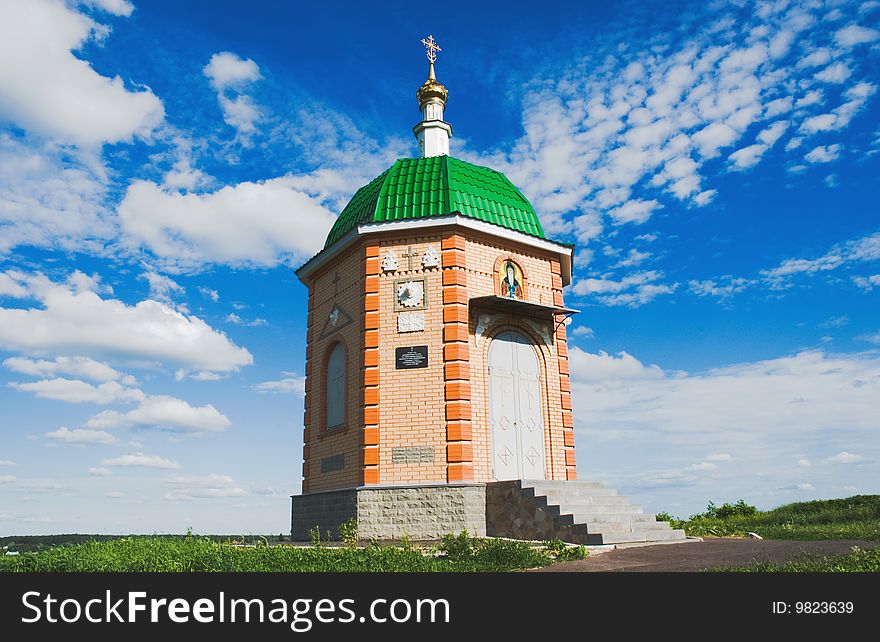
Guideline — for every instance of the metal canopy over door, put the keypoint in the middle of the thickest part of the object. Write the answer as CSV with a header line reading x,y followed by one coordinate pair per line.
x,y
516,414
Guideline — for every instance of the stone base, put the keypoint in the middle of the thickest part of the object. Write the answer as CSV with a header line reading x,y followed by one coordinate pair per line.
x,y
392,512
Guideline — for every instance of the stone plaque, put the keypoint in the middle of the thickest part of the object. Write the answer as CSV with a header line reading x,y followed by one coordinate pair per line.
x,y
410,321
329,464
414,455
412,357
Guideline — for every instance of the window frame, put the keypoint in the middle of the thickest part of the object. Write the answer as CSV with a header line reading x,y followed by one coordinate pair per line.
x,y
331,349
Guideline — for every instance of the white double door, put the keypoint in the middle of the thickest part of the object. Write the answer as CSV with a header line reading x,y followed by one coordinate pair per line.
x,y
516,414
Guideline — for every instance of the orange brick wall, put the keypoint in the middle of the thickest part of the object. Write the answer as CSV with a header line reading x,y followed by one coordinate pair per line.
x,y
348,293
443,406
411,413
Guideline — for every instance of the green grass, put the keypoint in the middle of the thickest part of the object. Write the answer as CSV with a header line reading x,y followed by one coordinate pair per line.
x,y
855,517
198,554
859,561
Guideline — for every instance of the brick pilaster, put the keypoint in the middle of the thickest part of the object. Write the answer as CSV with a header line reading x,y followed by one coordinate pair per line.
x,y
456,360
307,398
369,438
564,379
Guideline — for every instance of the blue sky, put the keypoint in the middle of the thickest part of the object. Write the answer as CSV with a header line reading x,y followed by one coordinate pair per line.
x,y
164,166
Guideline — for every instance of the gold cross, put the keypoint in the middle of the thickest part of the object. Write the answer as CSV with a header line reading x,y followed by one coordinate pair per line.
x,y
432,47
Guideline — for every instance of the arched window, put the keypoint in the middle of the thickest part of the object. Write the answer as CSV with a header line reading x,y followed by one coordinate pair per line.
x,y
335,386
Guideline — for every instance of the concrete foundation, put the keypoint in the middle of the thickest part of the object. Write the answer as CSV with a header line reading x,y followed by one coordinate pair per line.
x,y
418,512
580,512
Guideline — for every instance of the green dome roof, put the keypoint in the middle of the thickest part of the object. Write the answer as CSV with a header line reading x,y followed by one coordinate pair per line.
x,y
437,186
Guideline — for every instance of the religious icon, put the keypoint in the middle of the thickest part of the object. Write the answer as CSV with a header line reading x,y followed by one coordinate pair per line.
x,y
511,280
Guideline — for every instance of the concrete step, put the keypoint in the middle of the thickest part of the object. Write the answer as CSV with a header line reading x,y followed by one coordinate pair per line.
x,y
623,537
558,483
571,492
569,506
580,517
586,500
632,527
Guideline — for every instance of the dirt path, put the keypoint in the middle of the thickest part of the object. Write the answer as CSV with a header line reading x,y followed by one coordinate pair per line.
x,y
696,556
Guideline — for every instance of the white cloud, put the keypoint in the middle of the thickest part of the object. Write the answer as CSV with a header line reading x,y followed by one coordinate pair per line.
x,y
293,384
845,458
76,366
723,287
81,321
713,137
763,414
189,487
81,436
227,70
50,198
229,75
624,125
867,283
816,58
633,257
835,74
596,368
140,460
115,7
9,287
76,391
777,107
39,73
705,197
771,134
823,153
7,479
632,290
260,223
801,487
163,412
635,211
208,293
853,35
733,404
835,322
7,462
812,97
747,157
162,288
583,331
866,248
719,457
232,317
820,123
114,494
98,471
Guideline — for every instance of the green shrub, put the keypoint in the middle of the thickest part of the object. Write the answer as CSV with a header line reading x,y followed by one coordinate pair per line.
x,y
562,552
315,536
348,532
740,508
855,517
457,548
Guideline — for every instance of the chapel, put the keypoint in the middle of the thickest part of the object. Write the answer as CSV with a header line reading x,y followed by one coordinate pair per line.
x,y
438,395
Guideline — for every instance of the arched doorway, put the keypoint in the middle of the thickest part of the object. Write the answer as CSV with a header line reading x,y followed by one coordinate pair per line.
x,y
515,408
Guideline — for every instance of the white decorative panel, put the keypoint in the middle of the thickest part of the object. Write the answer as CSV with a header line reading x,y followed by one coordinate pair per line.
x,y
410,321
